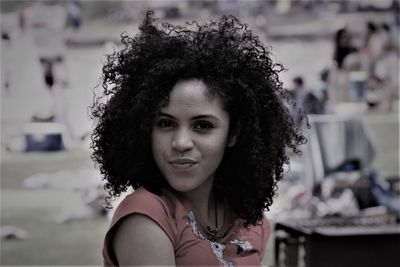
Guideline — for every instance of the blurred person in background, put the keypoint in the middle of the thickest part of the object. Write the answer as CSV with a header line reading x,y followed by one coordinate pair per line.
x,y
357,66
5,71
373,69
196,123
343,46
386,69
375,39
74,14
308,101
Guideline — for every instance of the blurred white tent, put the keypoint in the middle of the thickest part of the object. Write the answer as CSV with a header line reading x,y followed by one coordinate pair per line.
x,y
336,139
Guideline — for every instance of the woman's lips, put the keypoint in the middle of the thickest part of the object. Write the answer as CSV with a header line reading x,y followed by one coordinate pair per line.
x,y
182,164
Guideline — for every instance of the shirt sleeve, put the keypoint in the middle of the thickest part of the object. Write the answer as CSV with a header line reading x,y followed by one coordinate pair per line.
x,y
139,202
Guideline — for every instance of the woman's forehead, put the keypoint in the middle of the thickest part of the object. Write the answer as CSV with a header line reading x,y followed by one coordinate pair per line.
x,y
192,96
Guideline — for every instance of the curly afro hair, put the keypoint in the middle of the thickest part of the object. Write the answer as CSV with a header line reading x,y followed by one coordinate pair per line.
x,y
236,67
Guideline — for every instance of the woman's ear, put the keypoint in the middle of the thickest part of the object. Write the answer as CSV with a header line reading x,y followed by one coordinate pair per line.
x,y
233,136
232,141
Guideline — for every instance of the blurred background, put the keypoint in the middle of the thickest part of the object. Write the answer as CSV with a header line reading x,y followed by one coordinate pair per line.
x,y
342,68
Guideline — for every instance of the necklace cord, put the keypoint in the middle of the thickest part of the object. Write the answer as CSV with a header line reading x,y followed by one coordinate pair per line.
x,y
216,212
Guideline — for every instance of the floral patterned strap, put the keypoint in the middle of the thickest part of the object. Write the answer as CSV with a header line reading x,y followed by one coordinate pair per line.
x,y
193,223
242,245
216,247
218,250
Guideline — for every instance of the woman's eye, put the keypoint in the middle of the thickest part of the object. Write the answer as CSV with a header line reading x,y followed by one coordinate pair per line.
x,y
203,125
163,123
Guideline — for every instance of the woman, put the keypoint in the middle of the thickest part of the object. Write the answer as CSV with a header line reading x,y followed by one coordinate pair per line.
x,y
196,124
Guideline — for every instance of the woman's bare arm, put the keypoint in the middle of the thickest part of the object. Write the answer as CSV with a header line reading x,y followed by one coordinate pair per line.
x,y
141,241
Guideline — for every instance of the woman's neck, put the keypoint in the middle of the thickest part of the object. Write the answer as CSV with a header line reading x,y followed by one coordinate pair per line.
x,y
211,211
215,212
202,200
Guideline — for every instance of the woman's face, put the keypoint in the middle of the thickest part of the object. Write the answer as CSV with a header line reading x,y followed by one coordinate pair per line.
x,y
189,136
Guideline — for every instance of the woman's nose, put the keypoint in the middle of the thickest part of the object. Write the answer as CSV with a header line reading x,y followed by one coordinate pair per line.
x,y
182,141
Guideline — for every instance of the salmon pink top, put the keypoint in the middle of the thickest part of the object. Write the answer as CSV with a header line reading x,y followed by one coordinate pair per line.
x,y
240,247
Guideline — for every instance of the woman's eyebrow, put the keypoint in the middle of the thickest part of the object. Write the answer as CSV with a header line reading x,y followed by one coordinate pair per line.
x,y
165,115
198,117
205,116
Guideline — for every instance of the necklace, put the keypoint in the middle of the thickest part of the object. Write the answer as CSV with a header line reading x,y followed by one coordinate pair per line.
x,y
213,235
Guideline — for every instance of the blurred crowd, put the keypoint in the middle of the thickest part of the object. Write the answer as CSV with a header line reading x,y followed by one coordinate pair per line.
x,y
365,73
370,68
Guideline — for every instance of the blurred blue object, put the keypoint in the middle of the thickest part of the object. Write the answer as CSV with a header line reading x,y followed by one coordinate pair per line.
x,y
48,142
384,194
44,136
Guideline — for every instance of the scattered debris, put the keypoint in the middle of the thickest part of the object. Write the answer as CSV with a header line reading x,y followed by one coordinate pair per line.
x,y
10,232
64,179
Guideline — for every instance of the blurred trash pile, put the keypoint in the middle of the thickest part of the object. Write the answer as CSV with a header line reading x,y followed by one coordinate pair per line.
x,y
9,232
343,195
335,177
85,181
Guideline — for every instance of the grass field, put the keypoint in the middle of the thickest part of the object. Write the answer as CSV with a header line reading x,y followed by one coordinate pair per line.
x,y
49,243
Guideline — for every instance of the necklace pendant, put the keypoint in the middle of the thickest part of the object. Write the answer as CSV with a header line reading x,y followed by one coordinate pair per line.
x,y
212,238
211,230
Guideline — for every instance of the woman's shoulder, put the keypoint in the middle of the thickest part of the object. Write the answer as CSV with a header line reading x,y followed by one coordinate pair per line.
x,y
141,195
142,219
147,203
264,229
259,232
151,244
138,209
261,227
